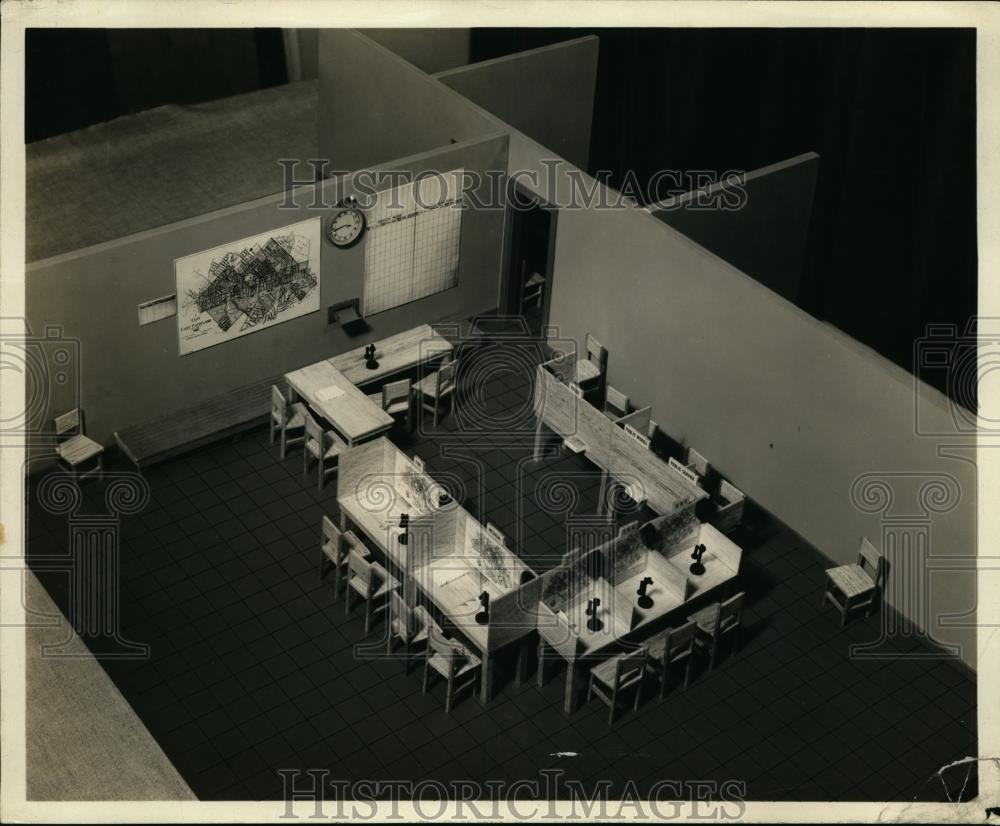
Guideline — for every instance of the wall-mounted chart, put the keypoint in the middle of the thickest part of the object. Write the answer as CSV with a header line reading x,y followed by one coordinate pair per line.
x,y
414,232
248,285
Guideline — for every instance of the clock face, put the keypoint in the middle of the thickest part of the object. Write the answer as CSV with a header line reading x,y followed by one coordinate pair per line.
x,y
346,227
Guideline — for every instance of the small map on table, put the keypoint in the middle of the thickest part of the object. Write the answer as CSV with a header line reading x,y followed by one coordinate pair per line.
x,y
328,394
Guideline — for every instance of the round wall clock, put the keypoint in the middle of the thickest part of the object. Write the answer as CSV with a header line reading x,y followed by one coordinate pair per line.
x,y
346,226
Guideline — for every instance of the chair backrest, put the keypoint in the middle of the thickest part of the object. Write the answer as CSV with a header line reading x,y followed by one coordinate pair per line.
x,y
679,639
423,620
651,430
730,613
596,352
334,538
630,667
279,404
395,391
314,433
453,652
446,378
69,424
872,561
359,566
401,612
615,401
697,462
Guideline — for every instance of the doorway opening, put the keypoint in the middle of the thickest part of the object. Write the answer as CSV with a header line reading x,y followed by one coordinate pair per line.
x,y
528,277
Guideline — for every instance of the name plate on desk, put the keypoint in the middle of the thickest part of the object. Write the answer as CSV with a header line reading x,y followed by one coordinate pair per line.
x,y
687,473
328,394
635,434
577,390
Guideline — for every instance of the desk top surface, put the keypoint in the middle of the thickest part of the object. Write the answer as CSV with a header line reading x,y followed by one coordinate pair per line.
x,y
330,393
394,354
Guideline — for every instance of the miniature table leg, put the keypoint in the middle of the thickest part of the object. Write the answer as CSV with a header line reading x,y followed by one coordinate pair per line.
x,y
537,456
569,703
523,655
603,495
486,679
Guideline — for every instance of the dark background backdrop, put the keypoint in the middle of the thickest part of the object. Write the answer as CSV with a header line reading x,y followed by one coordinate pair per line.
x,y
890,111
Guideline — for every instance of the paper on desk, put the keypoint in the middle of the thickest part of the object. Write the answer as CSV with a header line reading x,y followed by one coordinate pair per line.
x,y
328,394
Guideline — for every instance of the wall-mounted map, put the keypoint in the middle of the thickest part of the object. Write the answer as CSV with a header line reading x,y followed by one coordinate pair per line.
x,y
249,285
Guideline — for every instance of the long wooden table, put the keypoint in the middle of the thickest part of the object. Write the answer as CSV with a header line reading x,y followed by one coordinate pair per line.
x,y
394,354
449,580
336,399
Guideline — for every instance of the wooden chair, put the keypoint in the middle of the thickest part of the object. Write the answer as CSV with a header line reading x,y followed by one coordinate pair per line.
x,y
533,291
615,404
611,677
672,647
697,462
371,581
286,416
453,661
715,622
396,397
322,446
437,387
74,450
411,626
333,553
850,587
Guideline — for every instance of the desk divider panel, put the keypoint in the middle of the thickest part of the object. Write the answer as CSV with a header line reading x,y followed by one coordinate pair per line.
x,y
514,614
359,463
626,555
639,419
674,529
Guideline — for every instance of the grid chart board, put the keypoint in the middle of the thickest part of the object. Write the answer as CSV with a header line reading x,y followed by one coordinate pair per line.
x,y
413,240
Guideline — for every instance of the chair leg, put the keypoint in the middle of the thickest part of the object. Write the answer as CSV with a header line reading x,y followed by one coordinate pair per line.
x,y
437,406
272,430
611,707
540,676
664,675
336,581
322,476
711,659
423,687
447,698
638,695
843,612
347,599
368,616
284,441
687,670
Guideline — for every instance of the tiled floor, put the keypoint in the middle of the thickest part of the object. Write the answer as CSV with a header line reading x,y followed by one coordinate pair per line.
x,y
254,667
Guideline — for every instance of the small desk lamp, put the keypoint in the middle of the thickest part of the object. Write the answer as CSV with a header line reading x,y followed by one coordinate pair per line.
x,y
594,623
370,361
404,523
645,601
696,567
483,617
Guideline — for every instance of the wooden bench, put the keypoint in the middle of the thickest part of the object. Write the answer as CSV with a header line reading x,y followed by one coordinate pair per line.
x,y
216,418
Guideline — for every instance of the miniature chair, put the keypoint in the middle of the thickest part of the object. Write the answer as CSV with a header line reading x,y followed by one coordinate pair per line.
x,y
396,397
370,580
697,462
333,553
615,404
322,446
616,675
286,416
673,646
597,359
409,625
533,291
453,661
437,387
714,622
74,449
850,587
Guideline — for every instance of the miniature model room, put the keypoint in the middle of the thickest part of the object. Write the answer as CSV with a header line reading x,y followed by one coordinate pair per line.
x,y
448,461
